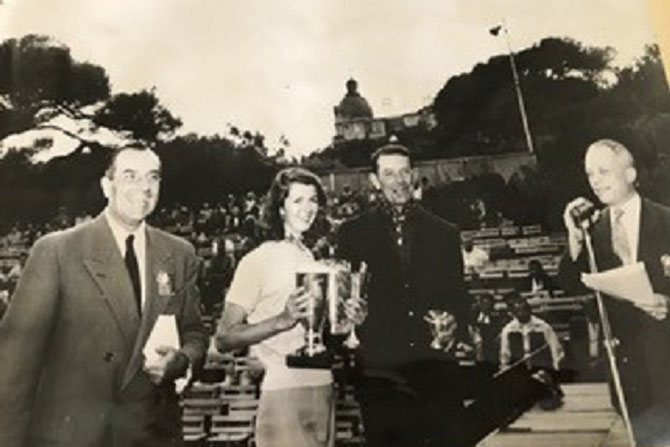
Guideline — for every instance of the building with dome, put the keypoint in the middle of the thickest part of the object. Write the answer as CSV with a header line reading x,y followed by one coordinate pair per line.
x,y
354,119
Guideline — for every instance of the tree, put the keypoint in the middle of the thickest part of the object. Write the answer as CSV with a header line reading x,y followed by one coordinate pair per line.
x,y
140,113
477,112
36,73
40,84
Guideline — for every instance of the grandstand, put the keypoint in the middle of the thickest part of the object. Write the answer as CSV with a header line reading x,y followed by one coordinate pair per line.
x,y
219,407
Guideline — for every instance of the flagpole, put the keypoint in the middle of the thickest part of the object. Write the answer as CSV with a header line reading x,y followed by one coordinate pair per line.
x,y
519,94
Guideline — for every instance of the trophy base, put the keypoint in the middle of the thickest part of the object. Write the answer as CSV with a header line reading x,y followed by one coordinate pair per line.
x,y
321,360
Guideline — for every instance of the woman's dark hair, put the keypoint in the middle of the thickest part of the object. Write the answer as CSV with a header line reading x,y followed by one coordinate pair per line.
x,y
272,221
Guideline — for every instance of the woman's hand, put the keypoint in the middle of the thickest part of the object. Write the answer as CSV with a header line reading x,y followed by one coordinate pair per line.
x,y
295,309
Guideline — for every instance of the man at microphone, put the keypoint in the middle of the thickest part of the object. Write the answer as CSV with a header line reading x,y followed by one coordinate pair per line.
x,y
629,229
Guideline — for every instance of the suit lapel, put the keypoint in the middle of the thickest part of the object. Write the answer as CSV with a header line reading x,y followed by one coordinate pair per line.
x,y
159,266
645,240
104,262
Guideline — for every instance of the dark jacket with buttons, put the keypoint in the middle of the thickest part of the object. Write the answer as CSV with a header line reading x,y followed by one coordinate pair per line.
x,y
412,271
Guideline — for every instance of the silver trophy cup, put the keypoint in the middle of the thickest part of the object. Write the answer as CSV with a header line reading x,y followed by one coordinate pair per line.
x,y
331,286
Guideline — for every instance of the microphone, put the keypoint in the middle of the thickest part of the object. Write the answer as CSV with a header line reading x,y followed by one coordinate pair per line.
x,y
585,214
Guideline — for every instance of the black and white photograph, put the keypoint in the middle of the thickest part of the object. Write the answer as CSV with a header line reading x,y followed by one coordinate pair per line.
x,y
334,224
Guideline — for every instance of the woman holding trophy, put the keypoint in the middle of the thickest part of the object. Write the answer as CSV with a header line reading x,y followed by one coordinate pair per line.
x,y
266,310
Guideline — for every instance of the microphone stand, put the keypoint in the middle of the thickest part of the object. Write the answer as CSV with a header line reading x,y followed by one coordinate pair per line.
x,y
610,341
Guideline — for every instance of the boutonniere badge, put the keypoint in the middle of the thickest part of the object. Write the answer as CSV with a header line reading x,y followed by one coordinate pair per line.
x,y
665,262
163,283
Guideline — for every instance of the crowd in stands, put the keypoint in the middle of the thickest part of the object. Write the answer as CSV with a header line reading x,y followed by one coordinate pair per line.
x,y
516,306
496,259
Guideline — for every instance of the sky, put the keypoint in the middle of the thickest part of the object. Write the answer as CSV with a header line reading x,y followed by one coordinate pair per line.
x,y
279,67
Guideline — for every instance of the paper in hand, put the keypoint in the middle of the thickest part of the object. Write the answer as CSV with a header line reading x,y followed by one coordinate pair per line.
x,y
164,333
629,282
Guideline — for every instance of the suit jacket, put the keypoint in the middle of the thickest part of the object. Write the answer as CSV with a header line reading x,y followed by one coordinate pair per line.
x,y
394,335
71,342
644,349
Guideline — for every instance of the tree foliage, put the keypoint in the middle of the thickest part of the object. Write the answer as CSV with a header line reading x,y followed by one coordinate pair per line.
x,y
478,111
573,96
37,73
140,113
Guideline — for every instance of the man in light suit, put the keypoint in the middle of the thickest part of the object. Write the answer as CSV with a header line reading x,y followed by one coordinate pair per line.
x,y
73,372
631,229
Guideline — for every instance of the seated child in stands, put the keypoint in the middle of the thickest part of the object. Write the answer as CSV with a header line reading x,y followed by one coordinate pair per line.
x,y
538,279
529,337
485,329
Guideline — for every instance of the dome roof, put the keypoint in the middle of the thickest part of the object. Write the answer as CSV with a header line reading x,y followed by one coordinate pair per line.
x,y
353,105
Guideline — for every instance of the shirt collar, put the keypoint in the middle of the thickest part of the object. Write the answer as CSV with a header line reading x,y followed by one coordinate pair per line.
x,y
392,212
632,206
532,324
120,234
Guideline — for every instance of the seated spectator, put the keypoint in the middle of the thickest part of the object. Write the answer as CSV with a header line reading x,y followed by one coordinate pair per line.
x,y
426,193
538,279
250,202
474,258
249,235
531,338
14,272
202,219
218,220
347,194
201,240
485,328
478,213
348,209
231,202
235,218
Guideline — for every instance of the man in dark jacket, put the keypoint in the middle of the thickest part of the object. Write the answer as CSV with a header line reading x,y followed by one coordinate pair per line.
x,y
630,229
410,387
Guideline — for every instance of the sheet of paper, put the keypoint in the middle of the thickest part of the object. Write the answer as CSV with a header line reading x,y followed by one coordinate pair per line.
x,y
164,333
629,282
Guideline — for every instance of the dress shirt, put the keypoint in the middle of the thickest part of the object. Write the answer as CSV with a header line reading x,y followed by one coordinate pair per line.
x,y
402,225
630,221
139,244
534,325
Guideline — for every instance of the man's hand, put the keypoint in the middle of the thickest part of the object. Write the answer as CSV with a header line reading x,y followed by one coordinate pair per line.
x,y
575,233
356,310
168,366
295,309
658,310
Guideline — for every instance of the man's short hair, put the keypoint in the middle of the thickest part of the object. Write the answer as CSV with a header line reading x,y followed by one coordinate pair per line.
x,y
116,151
389,149
619,150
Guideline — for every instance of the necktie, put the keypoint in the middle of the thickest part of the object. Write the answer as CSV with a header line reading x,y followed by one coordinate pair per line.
x,y
133,271
620,239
